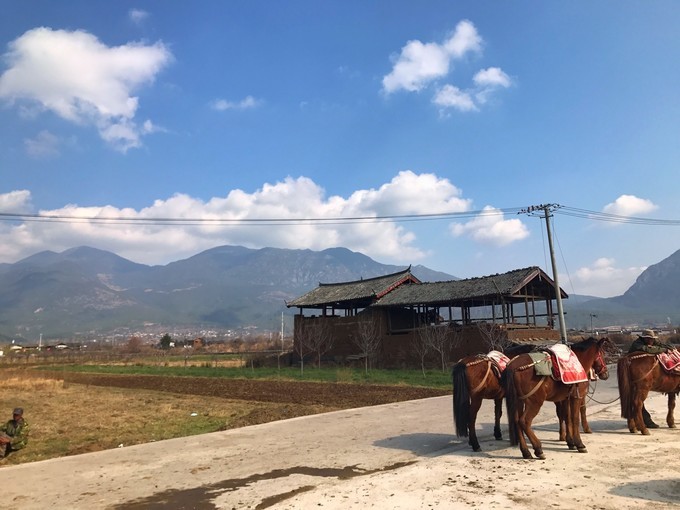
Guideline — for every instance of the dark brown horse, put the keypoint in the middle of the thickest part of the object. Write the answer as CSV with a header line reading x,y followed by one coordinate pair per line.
x,y
476,378
638,374
525,392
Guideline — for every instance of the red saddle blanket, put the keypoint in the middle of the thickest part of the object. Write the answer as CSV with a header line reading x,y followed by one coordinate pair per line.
x,y
566,366
500,359
670,360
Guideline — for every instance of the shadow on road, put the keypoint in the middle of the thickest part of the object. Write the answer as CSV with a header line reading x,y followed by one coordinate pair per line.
x,y
421,444
665,491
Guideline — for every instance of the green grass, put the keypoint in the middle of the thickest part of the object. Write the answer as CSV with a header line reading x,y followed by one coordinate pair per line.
x,y
432,378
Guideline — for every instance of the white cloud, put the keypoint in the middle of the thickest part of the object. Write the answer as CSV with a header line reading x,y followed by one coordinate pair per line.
x,y
137,16
452,97
406,193
491,227
15,201
75,76
603,279
222,104
492,77
630,205
45,145
420,63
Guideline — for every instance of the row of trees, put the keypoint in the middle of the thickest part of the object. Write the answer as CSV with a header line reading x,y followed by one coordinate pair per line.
x,y
316,339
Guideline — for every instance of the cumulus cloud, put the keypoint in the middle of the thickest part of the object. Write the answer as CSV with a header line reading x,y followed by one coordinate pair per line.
x,y
420,63
491,227
80,79
298,198
248,102
452,97
603,279
630,205
18,201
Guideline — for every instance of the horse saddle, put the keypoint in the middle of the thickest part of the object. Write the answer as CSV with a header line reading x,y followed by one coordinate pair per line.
x,y
670,360
559,362
499,359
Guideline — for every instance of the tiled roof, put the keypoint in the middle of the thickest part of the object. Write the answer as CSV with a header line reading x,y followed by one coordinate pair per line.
x,y
361,292
474,291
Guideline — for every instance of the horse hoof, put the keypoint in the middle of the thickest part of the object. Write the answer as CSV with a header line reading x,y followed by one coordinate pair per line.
x,y
587,431
498,438
478,449
540,456
572,447
527,455
672,426
582,450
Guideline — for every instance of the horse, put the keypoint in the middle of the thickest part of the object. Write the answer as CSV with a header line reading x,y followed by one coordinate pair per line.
x,y
474,379
525,393
638,374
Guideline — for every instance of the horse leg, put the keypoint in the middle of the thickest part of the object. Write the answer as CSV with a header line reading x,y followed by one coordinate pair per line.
x,y
498,413
526,418
574,406
521,429
475,404
559,410
584,420
670,419
638,402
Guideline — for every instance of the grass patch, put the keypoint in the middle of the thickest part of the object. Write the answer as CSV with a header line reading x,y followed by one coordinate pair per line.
x,y
432,379
68,419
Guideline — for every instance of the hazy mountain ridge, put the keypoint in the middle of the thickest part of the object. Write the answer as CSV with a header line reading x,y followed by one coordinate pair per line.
x,y
84,289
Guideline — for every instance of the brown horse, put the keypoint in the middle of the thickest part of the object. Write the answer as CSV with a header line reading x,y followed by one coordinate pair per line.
x,y
476,378
525,393
638,374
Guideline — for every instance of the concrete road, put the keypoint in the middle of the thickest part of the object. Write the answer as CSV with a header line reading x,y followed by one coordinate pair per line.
x,y
259,466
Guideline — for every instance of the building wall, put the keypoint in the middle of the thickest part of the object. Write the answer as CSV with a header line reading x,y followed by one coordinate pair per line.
x,y
396,347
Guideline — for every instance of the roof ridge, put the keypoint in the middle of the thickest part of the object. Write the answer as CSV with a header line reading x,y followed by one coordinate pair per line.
x,y
373,278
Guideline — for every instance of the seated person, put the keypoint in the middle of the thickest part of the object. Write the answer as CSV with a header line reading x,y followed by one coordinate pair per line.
x,y
14,433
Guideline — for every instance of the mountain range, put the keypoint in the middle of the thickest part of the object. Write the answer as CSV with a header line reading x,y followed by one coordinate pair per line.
x,y
84,290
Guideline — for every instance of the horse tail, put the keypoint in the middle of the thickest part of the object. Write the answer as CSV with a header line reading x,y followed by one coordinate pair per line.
x,y
511,404
625,387
461,399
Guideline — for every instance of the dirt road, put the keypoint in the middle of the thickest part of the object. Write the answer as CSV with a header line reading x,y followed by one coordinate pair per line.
x,y
398,455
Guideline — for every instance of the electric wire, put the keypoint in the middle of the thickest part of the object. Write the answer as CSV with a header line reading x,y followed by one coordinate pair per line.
x,y
336,220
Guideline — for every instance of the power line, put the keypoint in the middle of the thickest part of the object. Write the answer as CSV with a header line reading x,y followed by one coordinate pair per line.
x,y
339,220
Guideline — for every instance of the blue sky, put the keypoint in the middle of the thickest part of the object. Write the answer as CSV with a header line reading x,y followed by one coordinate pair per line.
x,y
251,110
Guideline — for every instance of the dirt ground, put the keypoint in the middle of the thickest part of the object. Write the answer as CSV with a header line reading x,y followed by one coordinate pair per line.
x,y
304,397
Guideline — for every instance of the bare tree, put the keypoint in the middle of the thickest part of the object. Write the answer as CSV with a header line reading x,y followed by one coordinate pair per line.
x,y
495,336
367,338
421,345
437,337
302,343
321,339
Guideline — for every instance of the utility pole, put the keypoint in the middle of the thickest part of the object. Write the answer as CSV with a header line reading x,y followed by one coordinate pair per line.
x,y
281,331
591,322
545,211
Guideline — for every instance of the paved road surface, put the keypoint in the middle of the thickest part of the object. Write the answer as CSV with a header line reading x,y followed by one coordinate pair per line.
x,y
261,466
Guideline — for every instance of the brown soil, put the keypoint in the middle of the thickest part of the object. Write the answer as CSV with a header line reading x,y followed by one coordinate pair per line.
x,y
303,397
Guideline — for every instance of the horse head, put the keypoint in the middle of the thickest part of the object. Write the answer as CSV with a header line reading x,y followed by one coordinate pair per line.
x,y
604,346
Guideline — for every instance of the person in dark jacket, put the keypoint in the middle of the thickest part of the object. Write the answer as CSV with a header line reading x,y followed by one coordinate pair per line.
x,y
14,433
649,342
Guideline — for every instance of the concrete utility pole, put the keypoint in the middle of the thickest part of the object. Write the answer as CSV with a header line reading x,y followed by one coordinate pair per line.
x,y
545,211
